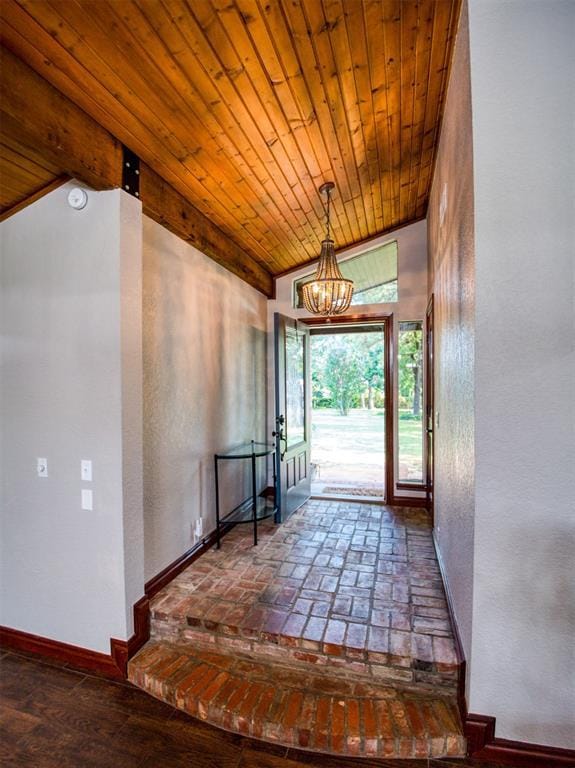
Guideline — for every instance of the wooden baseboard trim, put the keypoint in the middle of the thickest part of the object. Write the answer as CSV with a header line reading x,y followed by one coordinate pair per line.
x,y
114,665
459,651
158,582
418,502
484,745
70,655
479,730
123,650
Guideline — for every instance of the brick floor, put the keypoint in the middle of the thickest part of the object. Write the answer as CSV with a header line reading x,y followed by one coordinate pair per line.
x,y
354,587
331,635
283,706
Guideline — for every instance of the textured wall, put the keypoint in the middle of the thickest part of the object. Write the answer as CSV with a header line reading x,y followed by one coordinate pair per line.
x,y
204,388
523,655
451,275
64,574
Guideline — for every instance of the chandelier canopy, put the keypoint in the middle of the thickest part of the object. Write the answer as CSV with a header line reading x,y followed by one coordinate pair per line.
x,y
329,293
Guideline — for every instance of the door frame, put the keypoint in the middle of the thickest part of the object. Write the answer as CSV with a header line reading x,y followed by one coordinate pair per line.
x,y
430,407
388,372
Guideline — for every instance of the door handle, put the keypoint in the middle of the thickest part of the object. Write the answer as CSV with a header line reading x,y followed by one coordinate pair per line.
x,y
280,420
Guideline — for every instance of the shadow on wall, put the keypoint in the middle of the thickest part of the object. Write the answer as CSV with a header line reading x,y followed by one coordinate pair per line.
x,y
204,388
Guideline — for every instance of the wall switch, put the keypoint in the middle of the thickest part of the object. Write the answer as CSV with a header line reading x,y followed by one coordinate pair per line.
x,y
42,467
86,470
87,501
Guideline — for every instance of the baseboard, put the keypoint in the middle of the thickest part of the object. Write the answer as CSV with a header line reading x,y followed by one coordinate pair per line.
x,y
479,730
123,650
70,655
158,582
482,744
113,665
459,651
417,502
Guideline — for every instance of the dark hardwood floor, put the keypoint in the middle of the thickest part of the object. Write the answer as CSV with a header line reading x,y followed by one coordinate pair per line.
x,y
56,716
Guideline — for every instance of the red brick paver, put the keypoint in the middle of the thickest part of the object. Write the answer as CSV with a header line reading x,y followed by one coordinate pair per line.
x,y
351,586
297,710
332,635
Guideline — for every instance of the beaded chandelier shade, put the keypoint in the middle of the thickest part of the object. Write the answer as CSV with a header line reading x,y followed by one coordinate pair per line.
x,y
329,293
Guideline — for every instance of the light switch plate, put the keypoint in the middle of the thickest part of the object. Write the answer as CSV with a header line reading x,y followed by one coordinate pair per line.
x,y
42,467
86,470
87,500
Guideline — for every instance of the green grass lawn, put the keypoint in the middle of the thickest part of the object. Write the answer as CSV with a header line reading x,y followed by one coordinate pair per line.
x,y
352,447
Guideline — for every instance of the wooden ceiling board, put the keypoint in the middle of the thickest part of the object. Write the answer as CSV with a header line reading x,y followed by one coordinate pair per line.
x,y
246,107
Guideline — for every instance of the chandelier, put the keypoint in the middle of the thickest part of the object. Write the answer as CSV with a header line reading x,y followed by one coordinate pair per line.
x,y
329,293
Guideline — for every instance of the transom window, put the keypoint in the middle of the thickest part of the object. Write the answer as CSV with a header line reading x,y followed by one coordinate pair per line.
x,y
374,275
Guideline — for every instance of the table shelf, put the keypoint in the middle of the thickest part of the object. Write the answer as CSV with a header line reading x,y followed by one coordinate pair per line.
x,y
255,508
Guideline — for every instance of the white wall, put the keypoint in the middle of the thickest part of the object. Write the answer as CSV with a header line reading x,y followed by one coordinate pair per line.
x,y
452,282
204,389
523,650
412,292
71,390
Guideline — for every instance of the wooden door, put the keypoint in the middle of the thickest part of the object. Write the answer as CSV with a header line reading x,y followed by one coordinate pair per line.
x,y
292,414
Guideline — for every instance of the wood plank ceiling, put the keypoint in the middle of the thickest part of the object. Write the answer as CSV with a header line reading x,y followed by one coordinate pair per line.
x,y
246,107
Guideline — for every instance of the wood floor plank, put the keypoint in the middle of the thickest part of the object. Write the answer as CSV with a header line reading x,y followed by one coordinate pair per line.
x,y
147,735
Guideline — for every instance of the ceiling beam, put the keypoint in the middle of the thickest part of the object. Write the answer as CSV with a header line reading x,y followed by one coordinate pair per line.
x,y
166,206
38,115
50,124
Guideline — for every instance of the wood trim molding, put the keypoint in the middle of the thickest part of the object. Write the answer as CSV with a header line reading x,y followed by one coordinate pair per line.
x,y
113,665
72,655
459,650
162,203
479,730
123,650
417,502
77,144
387,321
406,486
482,744
33,197
160,580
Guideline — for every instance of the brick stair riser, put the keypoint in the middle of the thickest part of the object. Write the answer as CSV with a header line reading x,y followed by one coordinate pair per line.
x,y
302,737
378,668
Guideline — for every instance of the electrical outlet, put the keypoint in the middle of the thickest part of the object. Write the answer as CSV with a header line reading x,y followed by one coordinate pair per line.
x,y
199,528
42,467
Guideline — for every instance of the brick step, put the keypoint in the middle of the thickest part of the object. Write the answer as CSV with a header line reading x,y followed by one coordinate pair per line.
x,y
264,701
400,658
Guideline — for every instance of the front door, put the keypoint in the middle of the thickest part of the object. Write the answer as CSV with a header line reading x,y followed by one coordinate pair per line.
x,y
293,402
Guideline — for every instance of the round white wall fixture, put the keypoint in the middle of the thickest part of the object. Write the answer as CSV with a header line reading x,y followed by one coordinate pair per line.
x,y
77,198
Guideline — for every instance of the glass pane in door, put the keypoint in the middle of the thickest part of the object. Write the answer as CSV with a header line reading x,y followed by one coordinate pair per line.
x,y
295,387
410,416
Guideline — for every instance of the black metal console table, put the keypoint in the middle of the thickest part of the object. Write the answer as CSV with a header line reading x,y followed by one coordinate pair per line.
x,y
255,507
